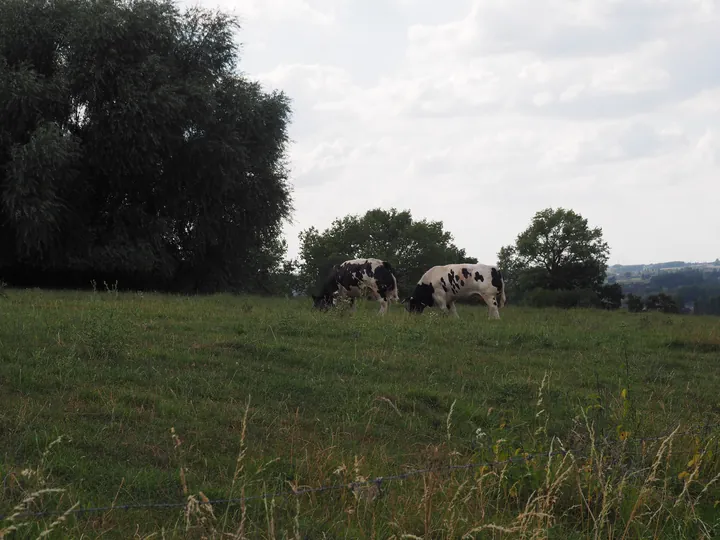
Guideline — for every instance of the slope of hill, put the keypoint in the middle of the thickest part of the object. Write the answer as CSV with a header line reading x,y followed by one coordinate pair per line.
x,y
695,287
161,398
629,271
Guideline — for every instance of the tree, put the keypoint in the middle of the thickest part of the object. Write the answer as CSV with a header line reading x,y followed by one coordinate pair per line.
x,y
635,303
707,306
131,149
410,246
557,251
610,295
662,302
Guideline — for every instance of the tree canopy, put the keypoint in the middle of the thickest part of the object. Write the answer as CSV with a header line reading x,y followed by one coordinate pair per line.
x,y
410,246
131,149
558,251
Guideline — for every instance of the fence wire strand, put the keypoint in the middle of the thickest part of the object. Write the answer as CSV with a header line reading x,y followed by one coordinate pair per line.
x,y
377,481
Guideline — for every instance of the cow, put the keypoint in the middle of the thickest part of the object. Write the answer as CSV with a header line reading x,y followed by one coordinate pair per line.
x,y
355,278
441,286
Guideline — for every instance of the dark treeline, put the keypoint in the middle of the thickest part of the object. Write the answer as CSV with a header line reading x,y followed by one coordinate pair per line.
x,y
688,289
132,151
557,261
411,246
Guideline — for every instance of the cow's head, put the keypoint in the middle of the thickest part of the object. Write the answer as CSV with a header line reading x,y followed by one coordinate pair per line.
x,y
420,299
322,302
413,305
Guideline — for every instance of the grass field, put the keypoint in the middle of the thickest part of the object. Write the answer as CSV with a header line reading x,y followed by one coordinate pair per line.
x,y
119,398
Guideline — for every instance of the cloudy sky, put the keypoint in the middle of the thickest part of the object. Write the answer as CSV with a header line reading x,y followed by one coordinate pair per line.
x,y
482,112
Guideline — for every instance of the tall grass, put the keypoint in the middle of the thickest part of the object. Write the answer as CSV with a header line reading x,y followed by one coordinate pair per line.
x,y
186,400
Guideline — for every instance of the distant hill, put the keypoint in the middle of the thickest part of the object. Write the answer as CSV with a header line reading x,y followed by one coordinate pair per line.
x,y
694,286
630,271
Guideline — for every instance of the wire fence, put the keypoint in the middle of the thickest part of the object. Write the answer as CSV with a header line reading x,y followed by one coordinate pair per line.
x,y
377,481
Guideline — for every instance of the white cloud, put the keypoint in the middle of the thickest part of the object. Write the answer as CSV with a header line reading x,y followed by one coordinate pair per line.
x,y
482,113
320,12
308,79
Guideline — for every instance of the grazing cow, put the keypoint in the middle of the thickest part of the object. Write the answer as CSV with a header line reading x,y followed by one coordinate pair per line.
x,y
359,278
441,286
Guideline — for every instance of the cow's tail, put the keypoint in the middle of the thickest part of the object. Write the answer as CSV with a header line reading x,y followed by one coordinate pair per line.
x,y
502,291
395,294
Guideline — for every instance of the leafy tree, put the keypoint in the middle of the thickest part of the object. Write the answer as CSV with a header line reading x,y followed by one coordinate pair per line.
x,y
635,303
131,149
563,298
673,279
557,251
611,295
662,302
410,246
707,306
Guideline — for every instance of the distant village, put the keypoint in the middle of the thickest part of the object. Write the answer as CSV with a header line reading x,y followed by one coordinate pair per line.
x,y
688,282
619,273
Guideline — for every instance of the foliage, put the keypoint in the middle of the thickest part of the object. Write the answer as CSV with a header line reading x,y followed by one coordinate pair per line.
x,y
151,395
610,295
707,306
687,286
671,280
557,251
661,302
411,246
562,298
635,303
282,281
131,150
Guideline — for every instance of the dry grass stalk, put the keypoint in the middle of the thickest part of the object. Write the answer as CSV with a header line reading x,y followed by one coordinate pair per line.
x,y
664,447
58,521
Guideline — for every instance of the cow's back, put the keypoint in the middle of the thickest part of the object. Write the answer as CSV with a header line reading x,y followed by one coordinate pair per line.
x,y
464,280
367,272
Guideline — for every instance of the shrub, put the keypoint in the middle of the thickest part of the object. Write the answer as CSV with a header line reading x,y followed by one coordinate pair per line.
x,y
563,298
635,303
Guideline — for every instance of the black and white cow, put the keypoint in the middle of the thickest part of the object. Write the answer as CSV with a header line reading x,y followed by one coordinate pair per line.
x,y
359,278
441,286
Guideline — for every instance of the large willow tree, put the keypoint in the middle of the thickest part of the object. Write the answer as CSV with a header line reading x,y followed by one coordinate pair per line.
x,y
131,149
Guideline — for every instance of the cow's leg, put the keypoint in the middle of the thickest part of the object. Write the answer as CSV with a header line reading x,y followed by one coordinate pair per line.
x,y
337,296
491,301
453,310
375,295
441,303
381,295
344,294
353,305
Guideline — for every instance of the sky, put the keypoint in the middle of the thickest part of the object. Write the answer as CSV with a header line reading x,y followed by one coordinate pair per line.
x,y
482,112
